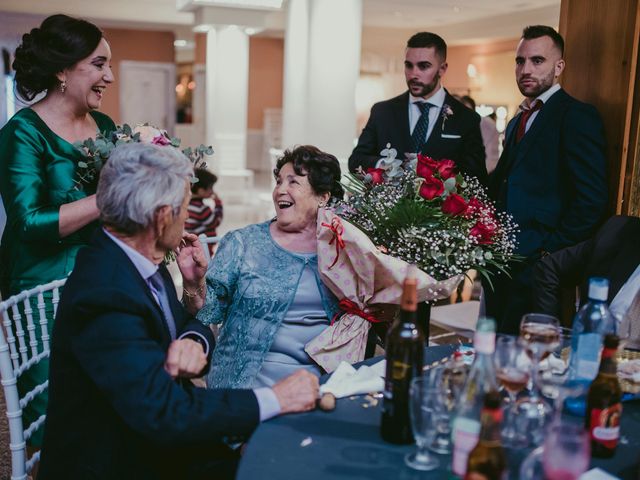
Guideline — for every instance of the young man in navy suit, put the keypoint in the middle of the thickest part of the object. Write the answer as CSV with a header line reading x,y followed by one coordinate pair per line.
x,y
552,173
425,119
121,404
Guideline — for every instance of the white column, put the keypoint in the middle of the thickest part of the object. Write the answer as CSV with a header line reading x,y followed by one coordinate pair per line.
x,y
227,94
323,113
296,74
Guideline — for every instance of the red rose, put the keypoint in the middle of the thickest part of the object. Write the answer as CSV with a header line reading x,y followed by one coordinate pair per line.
x,y
474,206
426,166
377,175
447,169
431,188
454,205
483,232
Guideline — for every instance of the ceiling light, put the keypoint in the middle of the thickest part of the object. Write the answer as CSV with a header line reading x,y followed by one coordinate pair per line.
x,y
180,43
255,4
202,28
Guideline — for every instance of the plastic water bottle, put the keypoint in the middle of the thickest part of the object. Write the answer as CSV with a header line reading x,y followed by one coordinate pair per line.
x,y
592,322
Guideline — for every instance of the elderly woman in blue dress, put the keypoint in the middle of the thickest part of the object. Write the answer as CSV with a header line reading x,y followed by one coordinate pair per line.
x,y
263,284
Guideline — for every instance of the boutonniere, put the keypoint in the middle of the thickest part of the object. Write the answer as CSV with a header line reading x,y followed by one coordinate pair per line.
x,y
446,113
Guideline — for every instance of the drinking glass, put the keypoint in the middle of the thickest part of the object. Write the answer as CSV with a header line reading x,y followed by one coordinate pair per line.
x,y
539,335
554,381
567,451
512,370
447,400
423,410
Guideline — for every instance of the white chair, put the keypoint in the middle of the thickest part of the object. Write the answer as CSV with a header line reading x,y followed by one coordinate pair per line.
x,y
205,242
18,353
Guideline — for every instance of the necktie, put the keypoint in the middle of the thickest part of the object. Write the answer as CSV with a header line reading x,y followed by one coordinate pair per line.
x,y
419,135
524,118
158,285
631,323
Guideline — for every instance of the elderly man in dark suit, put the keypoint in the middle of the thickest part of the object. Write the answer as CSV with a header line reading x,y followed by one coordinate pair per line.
x,y
612,253
425,119
551,175
121,404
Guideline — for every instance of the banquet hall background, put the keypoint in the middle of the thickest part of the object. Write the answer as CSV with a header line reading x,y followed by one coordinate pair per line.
x,y
252,78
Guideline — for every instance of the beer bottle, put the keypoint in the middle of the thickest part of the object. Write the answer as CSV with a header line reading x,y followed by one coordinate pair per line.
x,y
604,406
404,353
487,461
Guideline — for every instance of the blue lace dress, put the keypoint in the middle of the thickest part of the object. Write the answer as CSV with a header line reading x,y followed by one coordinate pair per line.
x,y
251,285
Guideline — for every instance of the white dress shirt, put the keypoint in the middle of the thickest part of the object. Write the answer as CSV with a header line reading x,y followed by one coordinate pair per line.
x,y
543,97
437,99
622,301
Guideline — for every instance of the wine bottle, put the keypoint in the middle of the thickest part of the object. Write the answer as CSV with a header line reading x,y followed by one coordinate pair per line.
x,y
487,461
604,406
404,353
480,380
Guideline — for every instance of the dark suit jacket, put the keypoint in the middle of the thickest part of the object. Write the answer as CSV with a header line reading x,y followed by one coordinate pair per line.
x,y
389,123
114,413
613,253
554,181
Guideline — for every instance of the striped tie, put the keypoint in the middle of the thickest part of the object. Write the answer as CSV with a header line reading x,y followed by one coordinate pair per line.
x,y
419,135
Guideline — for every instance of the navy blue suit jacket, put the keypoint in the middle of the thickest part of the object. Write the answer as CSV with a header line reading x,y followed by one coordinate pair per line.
x,y
389,123
113,410
554,181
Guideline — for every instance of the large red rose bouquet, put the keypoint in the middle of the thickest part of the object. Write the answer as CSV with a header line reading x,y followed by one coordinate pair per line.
x,y
424,211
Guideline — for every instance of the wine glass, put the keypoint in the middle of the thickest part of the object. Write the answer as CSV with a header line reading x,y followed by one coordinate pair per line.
x,y
555,382
539,335
450,384
567,451
423,410
512,371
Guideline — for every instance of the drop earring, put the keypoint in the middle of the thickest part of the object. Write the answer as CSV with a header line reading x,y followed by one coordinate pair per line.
x,y
63,86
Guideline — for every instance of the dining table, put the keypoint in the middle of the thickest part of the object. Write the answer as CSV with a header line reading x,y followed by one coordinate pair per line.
x,y
345,443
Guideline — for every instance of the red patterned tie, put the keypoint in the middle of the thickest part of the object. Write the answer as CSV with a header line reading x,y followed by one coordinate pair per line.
x,y
524,118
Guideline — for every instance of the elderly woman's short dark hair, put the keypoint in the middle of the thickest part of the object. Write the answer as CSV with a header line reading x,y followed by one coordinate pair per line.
x,y
321,169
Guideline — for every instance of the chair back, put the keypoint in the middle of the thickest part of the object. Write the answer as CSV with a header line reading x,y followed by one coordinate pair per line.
x,y
24,342
205,242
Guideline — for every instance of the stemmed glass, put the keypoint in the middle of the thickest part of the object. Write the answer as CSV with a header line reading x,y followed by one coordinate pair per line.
x,y
423,409
555,382
567,451
450,385
512,370
539,335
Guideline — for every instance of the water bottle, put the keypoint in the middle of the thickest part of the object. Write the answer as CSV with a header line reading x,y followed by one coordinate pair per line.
x,y
592,322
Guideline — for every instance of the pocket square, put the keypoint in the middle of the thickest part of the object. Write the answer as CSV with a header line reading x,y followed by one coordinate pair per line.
x,y
445,135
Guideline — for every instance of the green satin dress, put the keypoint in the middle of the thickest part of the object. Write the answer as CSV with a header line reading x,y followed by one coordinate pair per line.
x,y
37,172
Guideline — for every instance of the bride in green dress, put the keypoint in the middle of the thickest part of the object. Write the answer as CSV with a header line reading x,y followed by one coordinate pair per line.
x,y
48,217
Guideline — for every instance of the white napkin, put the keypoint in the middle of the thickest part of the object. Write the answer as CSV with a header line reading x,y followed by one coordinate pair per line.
x,y
597,474
346,380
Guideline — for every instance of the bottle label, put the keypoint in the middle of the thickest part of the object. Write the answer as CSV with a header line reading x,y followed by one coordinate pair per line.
x,y
485,342
465,437
587,355
400,370
605,425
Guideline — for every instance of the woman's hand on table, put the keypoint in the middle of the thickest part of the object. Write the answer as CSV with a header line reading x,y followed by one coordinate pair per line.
x,y
297,392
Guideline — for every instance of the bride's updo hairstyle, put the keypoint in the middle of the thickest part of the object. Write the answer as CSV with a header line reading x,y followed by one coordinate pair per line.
x,y
59,43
